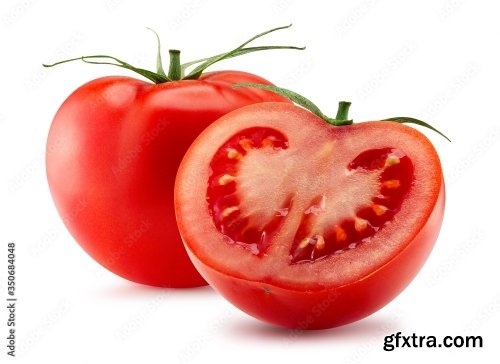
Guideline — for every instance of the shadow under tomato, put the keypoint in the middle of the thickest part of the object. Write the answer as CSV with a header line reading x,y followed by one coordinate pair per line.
x,y
125,289
364,329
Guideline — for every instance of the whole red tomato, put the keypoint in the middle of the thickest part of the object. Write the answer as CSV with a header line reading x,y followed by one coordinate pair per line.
x,y
305,224
112,155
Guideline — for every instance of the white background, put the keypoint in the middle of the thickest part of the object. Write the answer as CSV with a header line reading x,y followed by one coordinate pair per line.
x,y
435,60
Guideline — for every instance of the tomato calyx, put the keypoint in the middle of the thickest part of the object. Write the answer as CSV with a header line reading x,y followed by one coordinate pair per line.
x,y
341,119
177,71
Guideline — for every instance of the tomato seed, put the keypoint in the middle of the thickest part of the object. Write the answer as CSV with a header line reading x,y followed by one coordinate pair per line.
x,y
229,210
379,209
391,184
391,160
233,154
225,179
360,224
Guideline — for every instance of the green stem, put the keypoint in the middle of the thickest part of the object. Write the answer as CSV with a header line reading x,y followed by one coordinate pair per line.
x,y
342,115
343,110
174,69
240,50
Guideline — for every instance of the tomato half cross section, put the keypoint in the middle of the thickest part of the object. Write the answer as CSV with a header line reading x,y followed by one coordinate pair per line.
x,y
304,224
112,155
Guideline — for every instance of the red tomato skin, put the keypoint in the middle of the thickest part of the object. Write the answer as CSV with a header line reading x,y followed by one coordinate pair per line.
x,y
313,310
112,155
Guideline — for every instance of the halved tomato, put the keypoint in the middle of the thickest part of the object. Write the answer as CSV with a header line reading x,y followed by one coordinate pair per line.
x,y
304,224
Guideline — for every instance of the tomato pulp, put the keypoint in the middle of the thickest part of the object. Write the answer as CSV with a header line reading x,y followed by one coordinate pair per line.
x,y
304,224
112,155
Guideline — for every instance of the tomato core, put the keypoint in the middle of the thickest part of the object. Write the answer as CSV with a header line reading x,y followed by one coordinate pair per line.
x,y
317,236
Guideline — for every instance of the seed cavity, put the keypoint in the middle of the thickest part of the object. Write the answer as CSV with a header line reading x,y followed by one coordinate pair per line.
x,y
243,227
316,237
395,176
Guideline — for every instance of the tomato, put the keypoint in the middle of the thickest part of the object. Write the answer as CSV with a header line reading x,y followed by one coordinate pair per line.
x,y
114,147
304,224
112,155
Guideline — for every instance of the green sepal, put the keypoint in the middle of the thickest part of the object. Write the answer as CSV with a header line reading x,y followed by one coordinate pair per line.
x,y
153,76
303,101
176,70
238,51
405,119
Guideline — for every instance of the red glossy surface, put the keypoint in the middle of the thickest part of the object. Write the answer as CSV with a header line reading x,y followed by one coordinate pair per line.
x,y
112,155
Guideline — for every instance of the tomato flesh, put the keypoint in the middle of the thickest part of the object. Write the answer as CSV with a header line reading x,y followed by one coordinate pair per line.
x,y
300,214
396,176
